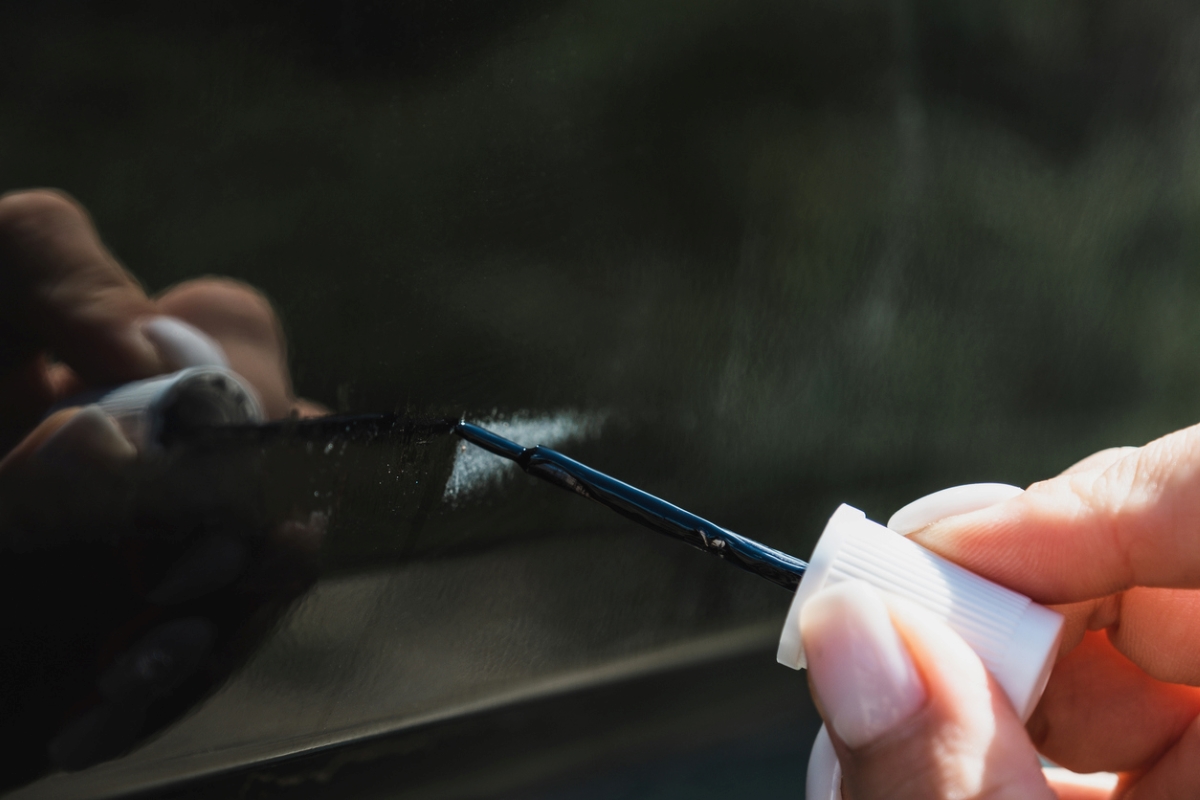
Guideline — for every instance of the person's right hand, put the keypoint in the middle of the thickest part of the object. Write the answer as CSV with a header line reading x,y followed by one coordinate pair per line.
x,y
1114,544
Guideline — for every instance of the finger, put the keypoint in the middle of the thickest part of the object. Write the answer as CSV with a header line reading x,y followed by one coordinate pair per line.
x,y
911,710
306,409
1072,786
1099,461
71,478
950,502
1153,628
67,438
1177,773
180,345
1157,630
61,289
243,322
183,345
27,389
1088,534
1101,712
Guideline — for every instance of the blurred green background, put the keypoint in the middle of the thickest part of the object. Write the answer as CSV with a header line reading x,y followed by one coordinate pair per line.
x,y
830,240
793,253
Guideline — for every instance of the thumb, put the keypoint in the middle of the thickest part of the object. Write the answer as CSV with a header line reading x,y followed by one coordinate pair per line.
x,y
911,710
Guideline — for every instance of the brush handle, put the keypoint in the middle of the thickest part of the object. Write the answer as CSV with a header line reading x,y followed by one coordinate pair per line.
x,y
642,507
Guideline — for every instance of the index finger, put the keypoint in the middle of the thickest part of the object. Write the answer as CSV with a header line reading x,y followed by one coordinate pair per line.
x,y
1090,533
60,289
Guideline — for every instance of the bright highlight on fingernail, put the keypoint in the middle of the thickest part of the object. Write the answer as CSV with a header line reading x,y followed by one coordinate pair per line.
x,y
858,665
1094,780
183,345
948,503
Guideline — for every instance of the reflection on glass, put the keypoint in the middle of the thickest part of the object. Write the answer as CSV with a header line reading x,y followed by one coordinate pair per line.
x,y
790,254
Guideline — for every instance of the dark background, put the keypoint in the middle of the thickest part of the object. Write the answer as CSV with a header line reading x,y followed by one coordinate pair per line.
x,y
793,253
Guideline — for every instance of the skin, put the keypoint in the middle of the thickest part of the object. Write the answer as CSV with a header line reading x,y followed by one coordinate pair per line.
x,y
70,320
70,317
63,293
1114,544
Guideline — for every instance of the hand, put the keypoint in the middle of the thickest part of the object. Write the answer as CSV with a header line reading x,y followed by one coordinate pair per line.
x,y
63,293
132,585
1115,543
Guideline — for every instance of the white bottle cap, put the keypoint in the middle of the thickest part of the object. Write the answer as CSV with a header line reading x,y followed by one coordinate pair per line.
x,y
1016,638
150,412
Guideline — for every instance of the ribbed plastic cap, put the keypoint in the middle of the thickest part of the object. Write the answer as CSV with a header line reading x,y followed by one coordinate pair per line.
x,y
1016,638
154,412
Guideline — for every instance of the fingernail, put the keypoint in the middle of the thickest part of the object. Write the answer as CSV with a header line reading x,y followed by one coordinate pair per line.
x,y
948,503
858,665
89,436
824,778
182,345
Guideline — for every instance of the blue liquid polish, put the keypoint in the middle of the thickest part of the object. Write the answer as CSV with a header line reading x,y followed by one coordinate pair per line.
x,y
643,508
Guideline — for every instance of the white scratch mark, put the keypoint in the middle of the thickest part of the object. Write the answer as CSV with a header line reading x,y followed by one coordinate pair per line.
x,y
476,470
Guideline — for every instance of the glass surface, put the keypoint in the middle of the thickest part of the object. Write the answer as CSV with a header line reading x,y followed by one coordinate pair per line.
x,y
756,257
